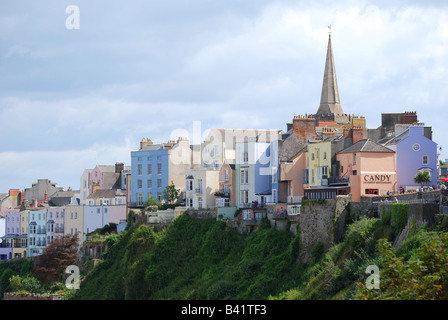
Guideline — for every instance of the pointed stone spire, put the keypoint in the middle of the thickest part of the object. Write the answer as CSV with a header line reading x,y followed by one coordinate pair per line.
x,y
329,100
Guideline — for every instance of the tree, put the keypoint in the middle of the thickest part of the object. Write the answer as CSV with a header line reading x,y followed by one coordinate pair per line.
x,y
422,277
57,256
152,204
422,178
171,194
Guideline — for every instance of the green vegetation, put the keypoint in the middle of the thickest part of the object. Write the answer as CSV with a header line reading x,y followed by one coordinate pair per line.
x,y
194,259
422,177
202,258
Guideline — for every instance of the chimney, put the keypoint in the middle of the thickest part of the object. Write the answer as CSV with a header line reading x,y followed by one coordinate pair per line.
x,y
119,166
356,134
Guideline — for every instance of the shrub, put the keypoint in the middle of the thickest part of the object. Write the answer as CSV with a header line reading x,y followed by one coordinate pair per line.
x,y
15,283
317,252
31,284
4,279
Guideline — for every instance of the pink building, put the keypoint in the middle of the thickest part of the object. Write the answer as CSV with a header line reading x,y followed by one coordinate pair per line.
x,y
370,167
117,214
293,180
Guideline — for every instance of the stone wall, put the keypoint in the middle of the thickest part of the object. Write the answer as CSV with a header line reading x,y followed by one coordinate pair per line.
x,y
202,213
321,222
30,296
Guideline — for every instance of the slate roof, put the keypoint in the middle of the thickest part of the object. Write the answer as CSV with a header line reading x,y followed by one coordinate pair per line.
x,y
100,194
366,145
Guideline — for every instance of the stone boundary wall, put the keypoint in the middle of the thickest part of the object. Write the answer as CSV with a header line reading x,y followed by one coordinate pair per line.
x,y
204,213
30,296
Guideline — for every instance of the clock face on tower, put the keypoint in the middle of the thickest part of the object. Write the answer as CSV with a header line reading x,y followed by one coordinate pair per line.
x,y
416,147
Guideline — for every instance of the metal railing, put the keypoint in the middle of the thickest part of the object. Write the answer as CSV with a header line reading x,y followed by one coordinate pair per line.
x,y
338,180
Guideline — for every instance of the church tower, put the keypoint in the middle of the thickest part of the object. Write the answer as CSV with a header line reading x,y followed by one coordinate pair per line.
x,y
330,107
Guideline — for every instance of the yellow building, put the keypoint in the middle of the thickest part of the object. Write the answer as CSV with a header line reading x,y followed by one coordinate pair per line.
x,y
20,246
319,163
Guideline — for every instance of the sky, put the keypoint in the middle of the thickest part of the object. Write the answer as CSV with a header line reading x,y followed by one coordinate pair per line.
x,y
74,96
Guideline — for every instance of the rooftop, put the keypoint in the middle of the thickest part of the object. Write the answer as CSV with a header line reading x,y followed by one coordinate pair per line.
x,y
366,145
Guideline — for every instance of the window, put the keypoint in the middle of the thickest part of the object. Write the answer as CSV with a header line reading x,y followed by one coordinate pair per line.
x,y
189,203
324,172
372,191
354,158
245,157
200,203
244,197
139,198
159,183
425,160
149,169
226,175
189,186
312,175
139,169
274,195
139,182
312,156
244,176
149,184
159,196
159,168
355,172
305,176
325,155
226,188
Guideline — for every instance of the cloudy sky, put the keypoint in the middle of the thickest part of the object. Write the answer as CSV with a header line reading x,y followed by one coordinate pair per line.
x,y
74,98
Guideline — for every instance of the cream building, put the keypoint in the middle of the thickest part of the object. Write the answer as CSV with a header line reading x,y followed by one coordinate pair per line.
x,y
200,188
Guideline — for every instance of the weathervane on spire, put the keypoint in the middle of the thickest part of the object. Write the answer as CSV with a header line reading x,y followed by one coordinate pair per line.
x,y
329,30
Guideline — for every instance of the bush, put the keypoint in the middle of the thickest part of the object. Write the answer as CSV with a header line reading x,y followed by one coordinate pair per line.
x,y
221,290
4,279
31,284
317,252
15,283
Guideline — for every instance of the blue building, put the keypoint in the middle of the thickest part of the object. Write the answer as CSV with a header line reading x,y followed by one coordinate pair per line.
x,y
155,166
414,153
256,173
37,221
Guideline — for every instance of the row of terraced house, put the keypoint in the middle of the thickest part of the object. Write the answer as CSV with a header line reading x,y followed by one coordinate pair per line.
x,y
33,218
249,172
318,156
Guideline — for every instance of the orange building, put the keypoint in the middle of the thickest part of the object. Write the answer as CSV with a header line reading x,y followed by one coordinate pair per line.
x,y
370,168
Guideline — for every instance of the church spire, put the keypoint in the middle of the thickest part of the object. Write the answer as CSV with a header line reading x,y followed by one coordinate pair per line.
x,y
329,100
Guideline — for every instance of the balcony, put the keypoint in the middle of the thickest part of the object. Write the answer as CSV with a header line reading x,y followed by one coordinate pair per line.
x,y
198,190
136,204
223,194
338,181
